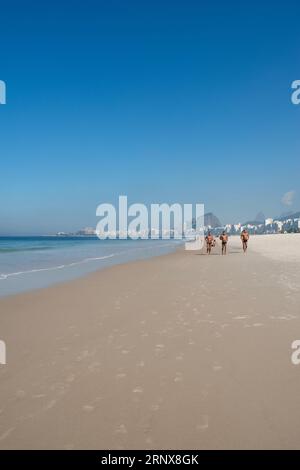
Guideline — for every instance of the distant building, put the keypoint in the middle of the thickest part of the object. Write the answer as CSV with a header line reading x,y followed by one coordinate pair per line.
x,y
279,225
86,231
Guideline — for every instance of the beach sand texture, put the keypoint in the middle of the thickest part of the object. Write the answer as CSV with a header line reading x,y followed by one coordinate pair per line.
x,y
183,351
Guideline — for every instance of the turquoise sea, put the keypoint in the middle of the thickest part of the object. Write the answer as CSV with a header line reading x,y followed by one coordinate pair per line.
x,y
28,263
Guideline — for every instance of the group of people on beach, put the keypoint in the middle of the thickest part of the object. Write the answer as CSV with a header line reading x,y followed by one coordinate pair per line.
x,y
211,241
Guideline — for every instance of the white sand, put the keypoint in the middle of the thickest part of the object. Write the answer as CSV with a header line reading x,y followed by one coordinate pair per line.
x,y
279,247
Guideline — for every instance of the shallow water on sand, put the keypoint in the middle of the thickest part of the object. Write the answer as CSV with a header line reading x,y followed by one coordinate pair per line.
x,y
28,263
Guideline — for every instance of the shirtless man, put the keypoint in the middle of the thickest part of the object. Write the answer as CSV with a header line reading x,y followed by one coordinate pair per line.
x,y
209,242
224,239
245,237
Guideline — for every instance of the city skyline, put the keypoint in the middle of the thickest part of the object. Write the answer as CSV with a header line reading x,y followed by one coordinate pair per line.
x,y
290,222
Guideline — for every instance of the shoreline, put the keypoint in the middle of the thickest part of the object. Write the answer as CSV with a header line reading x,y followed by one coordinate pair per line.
x,y
181,351
285,255
27,281
86,276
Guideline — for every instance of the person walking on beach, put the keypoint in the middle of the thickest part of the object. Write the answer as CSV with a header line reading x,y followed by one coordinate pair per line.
x,y
224,239
245,237
209,242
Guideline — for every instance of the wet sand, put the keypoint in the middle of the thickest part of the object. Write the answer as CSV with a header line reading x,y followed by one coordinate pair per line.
x,y
184,351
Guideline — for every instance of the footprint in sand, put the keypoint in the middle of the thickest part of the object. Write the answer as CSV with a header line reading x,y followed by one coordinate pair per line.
x,y
88,408
50,404
203,425
83,355
149,441
94,367
163,332
6,434
155,407
137,390
159,350
180,357
121,429
178,377
121,375
59,388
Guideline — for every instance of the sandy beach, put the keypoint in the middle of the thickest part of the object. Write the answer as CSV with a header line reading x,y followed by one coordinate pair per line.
x,y
182,351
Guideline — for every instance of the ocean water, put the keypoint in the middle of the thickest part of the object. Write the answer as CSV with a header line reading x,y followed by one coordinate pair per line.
x,y
28,263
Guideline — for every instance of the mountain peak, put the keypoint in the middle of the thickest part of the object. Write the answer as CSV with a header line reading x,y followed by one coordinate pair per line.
x,y
212,220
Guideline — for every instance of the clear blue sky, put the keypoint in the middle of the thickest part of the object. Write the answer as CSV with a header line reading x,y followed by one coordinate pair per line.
x,y
164,101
